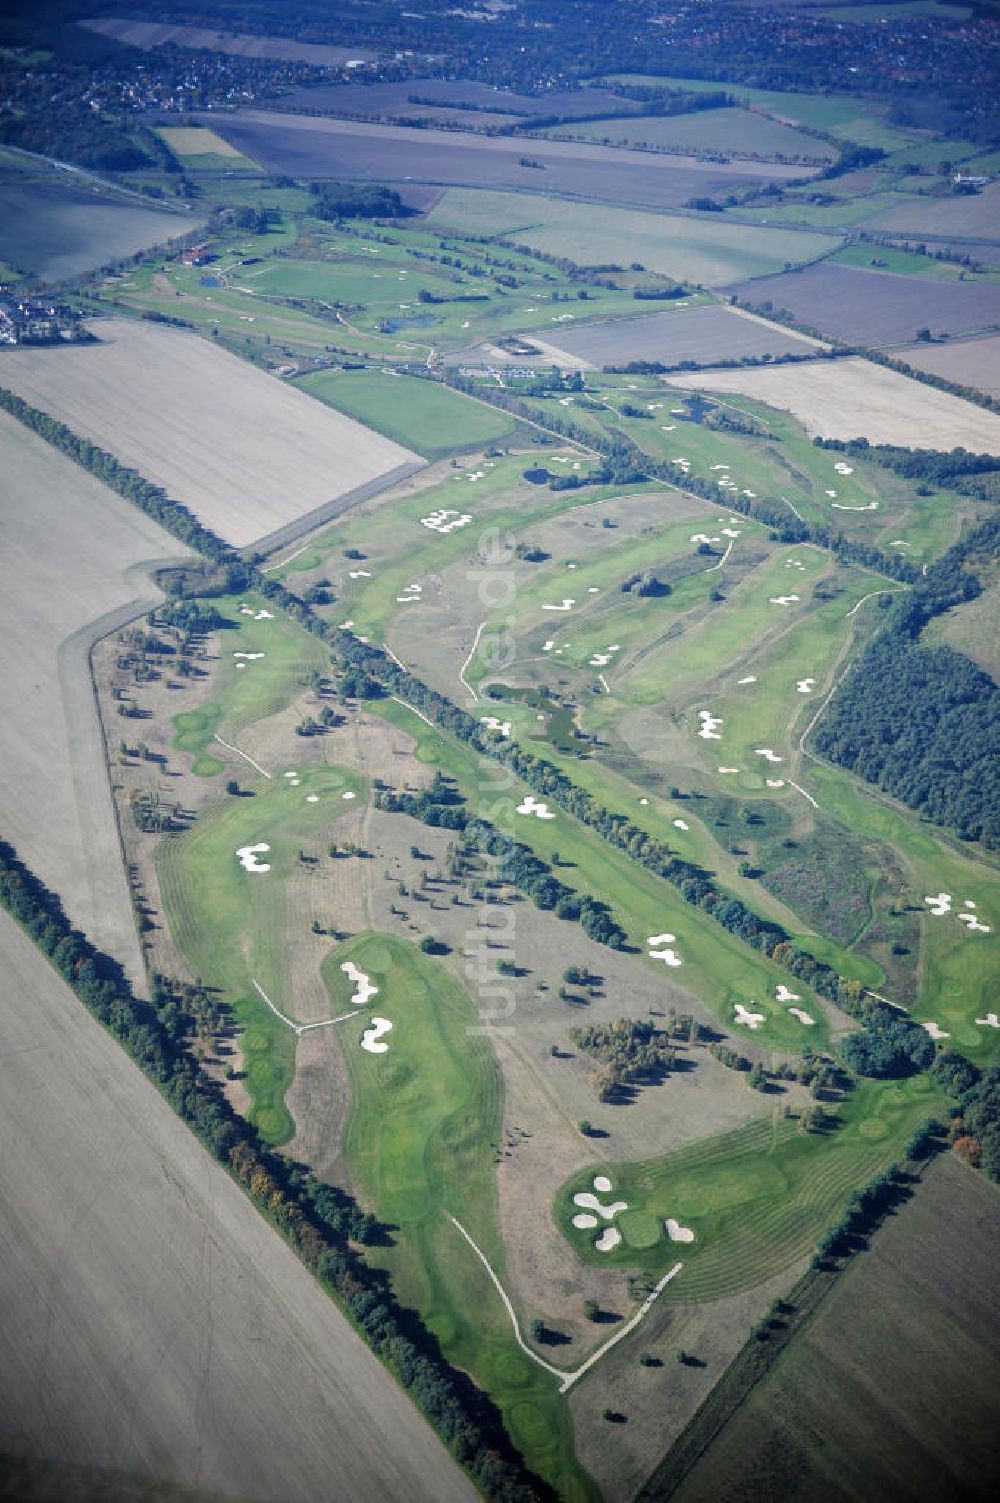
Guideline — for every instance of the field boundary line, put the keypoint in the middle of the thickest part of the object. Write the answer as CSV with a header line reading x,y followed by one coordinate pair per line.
x,y
269,569
413,711
803,792
472,653
242,754
566,1380
870,596
398,661
299,1028
712,567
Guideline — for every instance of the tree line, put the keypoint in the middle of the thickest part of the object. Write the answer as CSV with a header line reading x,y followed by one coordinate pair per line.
x,y
318,1220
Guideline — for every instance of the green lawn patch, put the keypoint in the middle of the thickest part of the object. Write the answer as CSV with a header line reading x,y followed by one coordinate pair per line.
x,y
420,414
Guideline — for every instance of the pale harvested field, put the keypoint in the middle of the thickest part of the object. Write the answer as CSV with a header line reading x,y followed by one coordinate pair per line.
x,y
74,563
854,399
704,333
192,140
153,1323
970,362
250,456
236,44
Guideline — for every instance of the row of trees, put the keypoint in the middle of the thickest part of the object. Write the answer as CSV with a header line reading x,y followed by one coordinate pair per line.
x,y
975,1118
318,1220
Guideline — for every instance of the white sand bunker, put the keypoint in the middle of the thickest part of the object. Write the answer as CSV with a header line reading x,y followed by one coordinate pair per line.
x,y
348,794
583,1222
803,1017
939,904
782,599
843,469
445,520
602,1184
840,506
248,857
251,657
588,1202
831,494
972,924
548,646
413,592
370,1037
775,782
748,1019
751,678
990,1021
730,532
935,1031
676,1232
359,574
291,774
609,1239
566,605
364,990
782,994
766,751
681,824
729,769
805,685
658,947
709,726
531,805
312,798
703,537
346,625
494,723
261,615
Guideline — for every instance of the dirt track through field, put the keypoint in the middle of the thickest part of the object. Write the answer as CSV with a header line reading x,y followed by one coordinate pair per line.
x,y
153,1322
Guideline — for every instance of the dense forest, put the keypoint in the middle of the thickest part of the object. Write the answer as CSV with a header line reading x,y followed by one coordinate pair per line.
x,y
924,722
319,1221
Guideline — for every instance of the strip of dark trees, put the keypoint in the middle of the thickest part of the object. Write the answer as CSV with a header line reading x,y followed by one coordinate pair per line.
x,y
924,722
316,1219
974,1129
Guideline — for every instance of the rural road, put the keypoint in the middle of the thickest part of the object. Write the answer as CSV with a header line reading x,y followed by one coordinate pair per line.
x,y
153,1324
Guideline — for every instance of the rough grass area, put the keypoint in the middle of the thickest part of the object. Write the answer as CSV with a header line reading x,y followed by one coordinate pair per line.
x,y
888,1391
418,414
756,1199
421,1143
971,629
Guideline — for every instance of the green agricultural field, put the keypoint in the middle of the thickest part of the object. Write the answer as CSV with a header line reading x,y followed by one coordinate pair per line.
x,y
264,685
725,130
233,926
705,252
419,414
421,1144
756,1199
907,263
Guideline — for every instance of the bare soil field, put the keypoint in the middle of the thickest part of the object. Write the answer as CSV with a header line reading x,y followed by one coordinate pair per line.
x,y
473,103
55,232
974,214
154,1324
722,130
310,147
970,362
250,456
162,34
706,333
855,399
874,308
873,1398
75,562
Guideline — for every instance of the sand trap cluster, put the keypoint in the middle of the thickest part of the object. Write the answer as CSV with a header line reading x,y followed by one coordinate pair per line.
x,y
709,726
261,615
940,904
748,1019
413,593
602,659
794,563
768,753
703,537
446,520
566,604
935,1031
676,1232
248,857
592,1208
802,1016
658,947
370,1037
494,723
531,805
364,989
805,685
293,779
590,1202
782,599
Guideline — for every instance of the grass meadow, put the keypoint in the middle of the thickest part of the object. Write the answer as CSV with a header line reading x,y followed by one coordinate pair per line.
x,y
422,415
